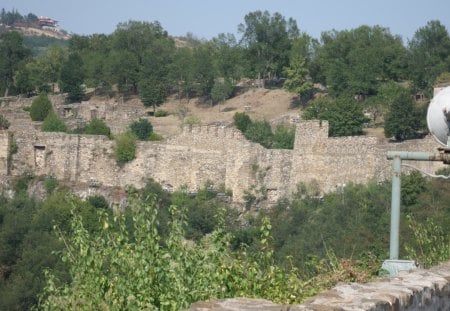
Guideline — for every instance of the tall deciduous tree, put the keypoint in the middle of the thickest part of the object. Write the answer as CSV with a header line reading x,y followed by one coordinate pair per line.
x,y
429,54
72,76
12,53
357,61
403,119
267,41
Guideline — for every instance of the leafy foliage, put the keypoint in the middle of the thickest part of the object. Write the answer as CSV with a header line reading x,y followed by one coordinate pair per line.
x,y
97,127
125,148
403,120
72,76
221,91
52,123
142,129
40,107
261,132
345,115
12,54
143,273
242,121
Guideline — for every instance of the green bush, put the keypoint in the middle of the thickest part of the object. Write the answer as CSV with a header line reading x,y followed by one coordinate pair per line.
x,y
98,201
50,184
242,121
97,127
40,107
125,149
161,113
53,124
144,273
284,137
142,129
260,132
155,137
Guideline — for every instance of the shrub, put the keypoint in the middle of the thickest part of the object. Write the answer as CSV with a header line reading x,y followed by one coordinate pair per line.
x,y
241,121
4,123
161,113
53,124
50,184
260,132
97,127
125,149
98,201
142,129
155,137
284,137
40,107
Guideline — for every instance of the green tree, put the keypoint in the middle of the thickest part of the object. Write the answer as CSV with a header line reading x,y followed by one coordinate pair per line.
x,y
52,123
429,49
40,107
152,92
23,81
344,115
221,91
298,80
266,39
181,72
403,120
72,76
204,71
97,127
356,61
125,148
228,57
12,54
142,129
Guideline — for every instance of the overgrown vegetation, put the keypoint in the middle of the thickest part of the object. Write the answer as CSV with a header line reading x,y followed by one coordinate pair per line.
x,y
125,148
142,129
202,249
52,123
97,127
40,107
261,132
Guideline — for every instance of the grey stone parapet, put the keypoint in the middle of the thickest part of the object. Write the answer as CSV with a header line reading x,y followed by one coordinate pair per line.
x,y
408,291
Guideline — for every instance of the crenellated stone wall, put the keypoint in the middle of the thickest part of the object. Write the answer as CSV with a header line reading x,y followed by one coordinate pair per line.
x,y
217,154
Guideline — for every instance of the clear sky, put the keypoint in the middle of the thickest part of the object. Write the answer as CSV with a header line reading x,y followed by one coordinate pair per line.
x,y
207,18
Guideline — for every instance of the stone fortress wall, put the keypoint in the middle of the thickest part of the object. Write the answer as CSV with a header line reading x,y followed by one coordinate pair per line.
x,y
199,154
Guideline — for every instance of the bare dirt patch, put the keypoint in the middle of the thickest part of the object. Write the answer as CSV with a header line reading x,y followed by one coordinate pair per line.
x,y
258,103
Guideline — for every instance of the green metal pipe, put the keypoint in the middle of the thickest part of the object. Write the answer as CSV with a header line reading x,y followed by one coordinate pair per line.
x,y
417,155
395,207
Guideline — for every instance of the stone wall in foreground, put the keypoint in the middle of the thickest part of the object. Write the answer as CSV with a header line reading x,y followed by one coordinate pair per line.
x,y
418,290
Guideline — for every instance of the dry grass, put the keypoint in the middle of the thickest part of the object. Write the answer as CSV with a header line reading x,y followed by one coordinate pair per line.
x,y
258,103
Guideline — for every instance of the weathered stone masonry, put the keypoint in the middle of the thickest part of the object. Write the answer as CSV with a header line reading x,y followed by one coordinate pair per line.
x,y
217,154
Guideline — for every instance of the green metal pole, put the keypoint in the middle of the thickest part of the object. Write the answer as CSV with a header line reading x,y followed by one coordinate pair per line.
x,y
395,207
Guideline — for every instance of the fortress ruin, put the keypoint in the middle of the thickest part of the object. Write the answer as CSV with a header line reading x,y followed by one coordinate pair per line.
x,y
215,154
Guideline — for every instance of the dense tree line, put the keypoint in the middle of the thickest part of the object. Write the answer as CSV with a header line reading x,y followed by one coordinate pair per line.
x,y
141,58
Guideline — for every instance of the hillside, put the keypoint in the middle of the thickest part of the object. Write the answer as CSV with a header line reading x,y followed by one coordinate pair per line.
x,y
269,104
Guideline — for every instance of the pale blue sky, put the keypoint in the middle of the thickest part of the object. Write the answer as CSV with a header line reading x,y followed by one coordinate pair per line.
x,y
207,18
